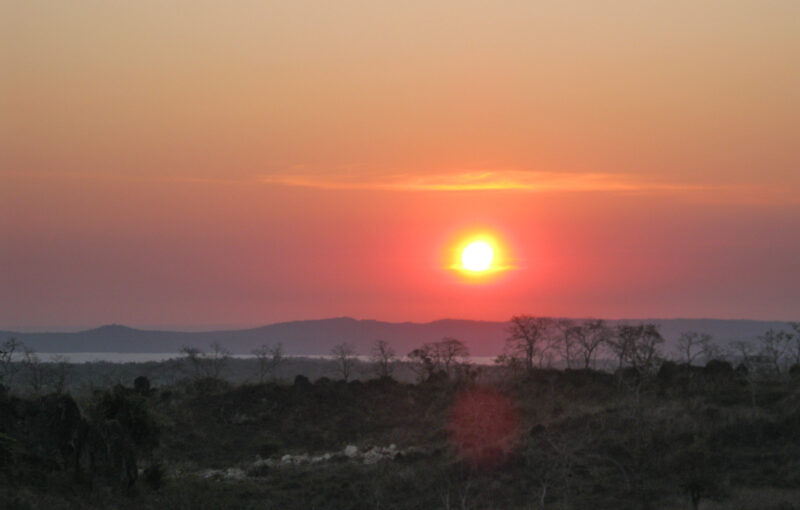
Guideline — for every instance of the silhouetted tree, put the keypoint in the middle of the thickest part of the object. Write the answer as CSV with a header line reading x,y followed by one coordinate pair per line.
x,y
588,339
741,351
269,359
141,385
528,338
58,373
447,356
565,341
646,352
35,371
621,342
794,343
195,358
422,361
697,468
693,345
638,346
207,364
345,356
775,346
384,358
452,353
8,366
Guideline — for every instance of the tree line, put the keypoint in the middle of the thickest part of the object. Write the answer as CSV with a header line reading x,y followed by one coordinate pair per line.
x,y
532,342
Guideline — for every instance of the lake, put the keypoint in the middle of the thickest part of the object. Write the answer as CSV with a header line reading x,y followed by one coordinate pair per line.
x,y
144,357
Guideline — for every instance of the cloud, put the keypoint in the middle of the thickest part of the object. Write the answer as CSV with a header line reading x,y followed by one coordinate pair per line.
x,y
509,180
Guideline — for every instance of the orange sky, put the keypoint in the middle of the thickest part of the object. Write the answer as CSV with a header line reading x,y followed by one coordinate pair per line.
x,y
197,163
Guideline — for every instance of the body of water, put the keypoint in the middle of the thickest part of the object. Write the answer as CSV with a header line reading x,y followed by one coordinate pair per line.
x,y
144,357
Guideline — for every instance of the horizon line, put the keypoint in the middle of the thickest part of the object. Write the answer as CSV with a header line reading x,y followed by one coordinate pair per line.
x,y
233,328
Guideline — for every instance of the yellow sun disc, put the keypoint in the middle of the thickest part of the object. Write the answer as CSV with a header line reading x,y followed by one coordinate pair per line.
x,y
477,256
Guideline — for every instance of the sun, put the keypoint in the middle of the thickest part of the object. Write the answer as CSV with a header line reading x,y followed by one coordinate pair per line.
x,y
477,256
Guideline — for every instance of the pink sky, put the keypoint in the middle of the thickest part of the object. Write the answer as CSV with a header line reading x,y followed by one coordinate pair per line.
x,y
194,164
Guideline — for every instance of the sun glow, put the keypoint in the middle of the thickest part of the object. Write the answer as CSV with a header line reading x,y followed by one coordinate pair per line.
x,y
477,256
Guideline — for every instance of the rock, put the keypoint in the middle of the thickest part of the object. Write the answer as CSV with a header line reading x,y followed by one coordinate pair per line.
x,y
351,451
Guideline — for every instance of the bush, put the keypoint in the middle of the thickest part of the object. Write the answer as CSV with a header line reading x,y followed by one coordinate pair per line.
x,y
154,475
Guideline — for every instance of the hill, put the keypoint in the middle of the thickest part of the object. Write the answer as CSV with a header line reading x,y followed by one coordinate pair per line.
x,y
314,337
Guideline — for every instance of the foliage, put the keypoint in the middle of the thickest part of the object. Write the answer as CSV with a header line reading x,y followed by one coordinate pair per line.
x,y
659,434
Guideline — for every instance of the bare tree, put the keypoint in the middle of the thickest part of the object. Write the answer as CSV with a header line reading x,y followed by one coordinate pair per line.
x,y
646,353
35,371
622,341
218,358
742,351
452,354
693,345
207,364
420,361
794,343
775,348
528,338
8,366
195,358
565,341
345,356
269,359
448,356
589,338
638,346
58,372
384,358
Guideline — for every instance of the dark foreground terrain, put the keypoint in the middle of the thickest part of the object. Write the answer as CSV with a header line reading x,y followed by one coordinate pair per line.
x,y
680,437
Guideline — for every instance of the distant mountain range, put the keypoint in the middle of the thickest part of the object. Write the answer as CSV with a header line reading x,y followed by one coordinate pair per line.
x,y
314,337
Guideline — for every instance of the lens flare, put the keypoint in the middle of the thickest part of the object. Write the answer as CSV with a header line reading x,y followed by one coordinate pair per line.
x,y
484,427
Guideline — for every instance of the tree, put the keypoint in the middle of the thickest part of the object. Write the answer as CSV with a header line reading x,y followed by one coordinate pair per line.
x,y
345,356
693,345
566,341
269,359
742,351
794,344
622,341
35,371
588,338
195,357
58,373
447,356
423,361
452,354
384,358
207,364
8,367
528,338
638,346
696,469
774,348
646,352
218,358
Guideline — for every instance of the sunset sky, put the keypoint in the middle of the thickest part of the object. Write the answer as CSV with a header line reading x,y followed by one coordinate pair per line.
x,y
200,164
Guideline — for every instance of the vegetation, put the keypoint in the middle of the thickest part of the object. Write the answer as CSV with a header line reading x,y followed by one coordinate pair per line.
x,y
430,431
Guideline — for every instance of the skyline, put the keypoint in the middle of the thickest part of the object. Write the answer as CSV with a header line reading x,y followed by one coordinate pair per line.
x,y
191,165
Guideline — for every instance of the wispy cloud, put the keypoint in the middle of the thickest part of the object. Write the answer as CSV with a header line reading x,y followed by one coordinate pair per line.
x,y
512,180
